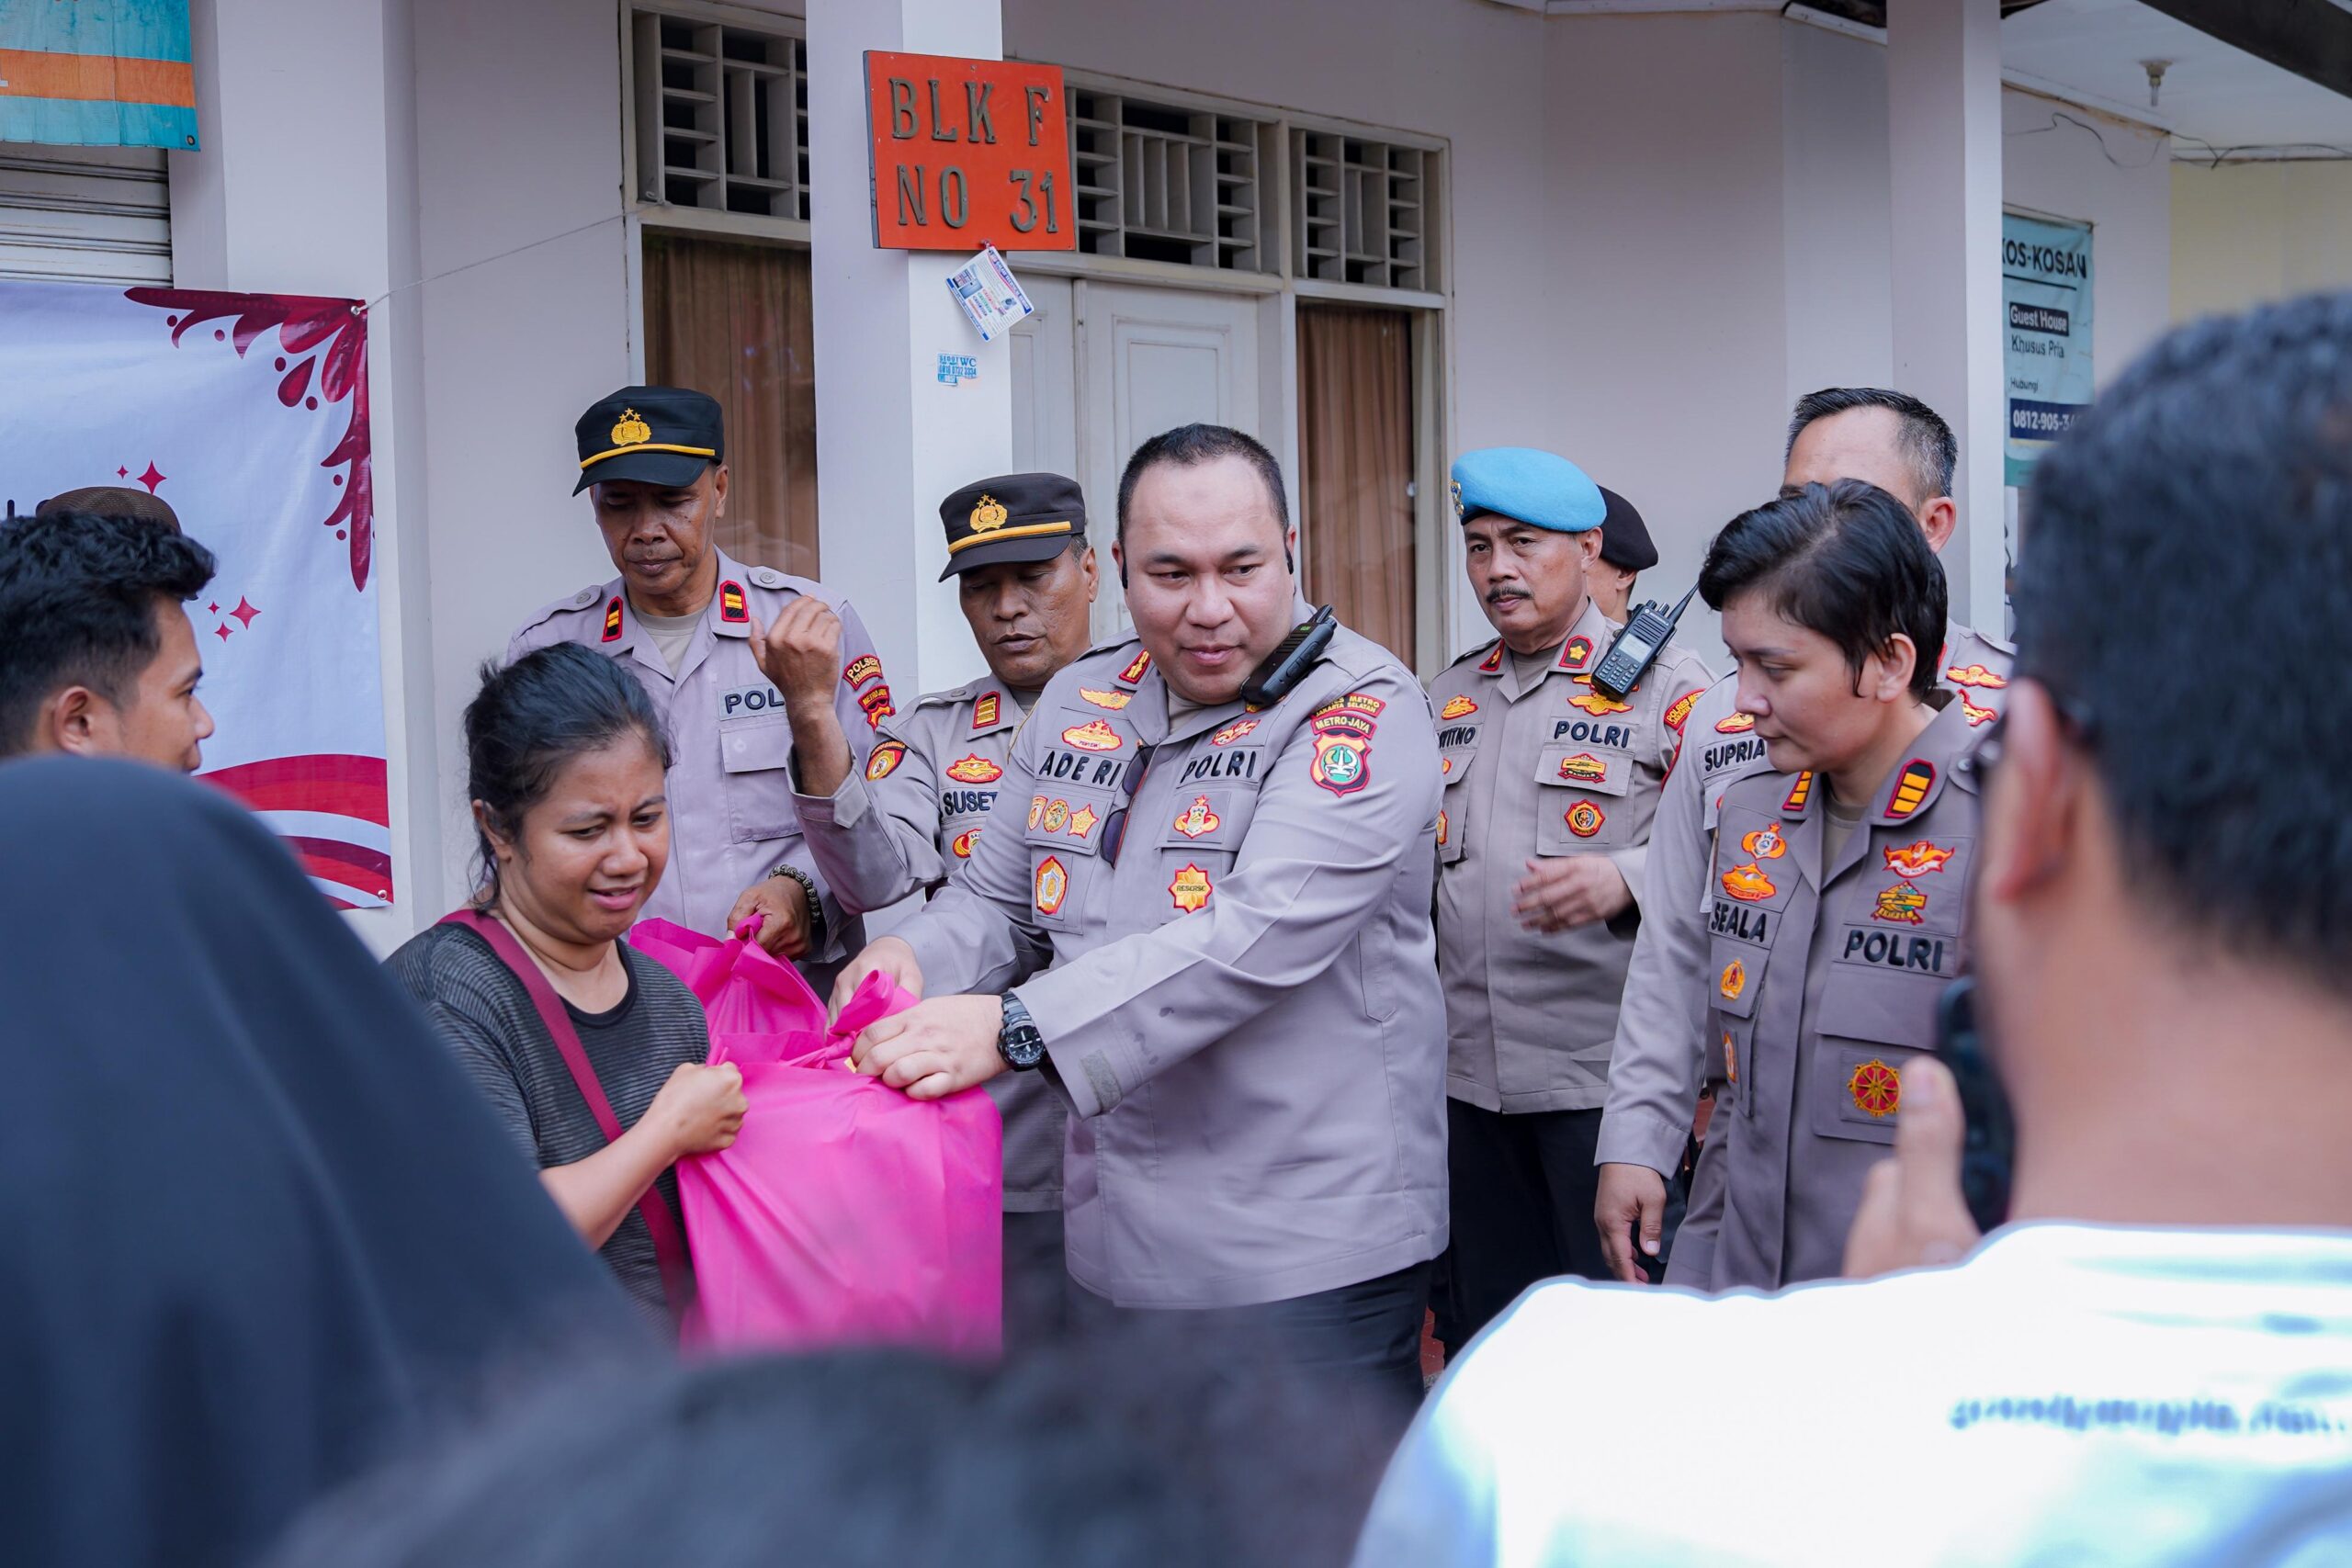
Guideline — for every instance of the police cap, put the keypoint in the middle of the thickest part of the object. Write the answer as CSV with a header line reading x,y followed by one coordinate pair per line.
x,y
664,435
1541,489
1624,537
1012,517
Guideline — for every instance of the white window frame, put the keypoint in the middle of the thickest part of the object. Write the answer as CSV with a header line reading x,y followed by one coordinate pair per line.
x,y
668,215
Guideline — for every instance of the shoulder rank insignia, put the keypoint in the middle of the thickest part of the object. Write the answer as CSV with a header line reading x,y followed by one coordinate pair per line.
x,y
613,620
860,670
1492,662
1798,793
1919,778
1133,673
886,759
1577,654
732,607
974,770
988,712
1457,707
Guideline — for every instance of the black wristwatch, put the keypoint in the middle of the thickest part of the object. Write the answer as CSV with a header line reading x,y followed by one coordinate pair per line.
x,y
1019,1042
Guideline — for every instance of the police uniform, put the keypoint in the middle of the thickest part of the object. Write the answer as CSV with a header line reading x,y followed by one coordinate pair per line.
x,y
1534,769
1663,1054
1824,982
909,819
1220,923
732,803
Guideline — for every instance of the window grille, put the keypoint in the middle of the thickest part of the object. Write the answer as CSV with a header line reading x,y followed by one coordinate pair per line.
x,y
722,116
1157,182
1361,211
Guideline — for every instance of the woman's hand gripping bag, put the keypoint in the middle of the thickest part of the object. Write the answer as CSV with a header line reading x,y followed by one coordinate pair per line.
x,y
844,1213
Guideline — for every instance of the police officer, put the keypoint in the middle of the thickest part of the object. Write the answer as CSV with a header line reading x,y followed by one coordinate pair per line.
x,y
1625,553
1208,925
1025,577
1665,1061
1549,788
758,676
1838,880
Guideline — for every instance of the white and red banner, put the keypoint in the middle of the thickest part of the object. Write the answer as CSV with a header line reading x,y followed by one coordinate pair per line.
x,y
248,413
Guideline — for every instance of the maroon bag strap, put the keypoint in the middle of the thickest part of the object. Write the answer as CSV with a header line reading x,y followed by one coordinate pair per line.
x,y
669,1244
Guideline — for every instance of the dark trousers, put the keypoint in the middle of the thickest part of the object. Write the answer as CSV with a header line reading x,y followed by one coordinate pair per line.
x,y
1036,1294
1523,1188
1366,1337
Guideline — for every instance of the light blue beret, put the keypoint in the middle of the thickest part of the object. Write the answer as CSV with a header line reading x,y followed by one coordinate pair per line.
x,y
1538,487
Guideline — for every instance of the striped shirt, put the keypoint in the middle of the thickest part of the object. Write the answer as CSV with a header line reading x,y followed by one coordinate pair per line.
x,y
484,1013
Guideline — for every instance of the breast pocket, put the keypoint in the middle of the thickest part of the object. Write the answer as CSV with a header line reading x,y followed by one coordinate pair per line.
x,y
1199,843
1064,830
756,757
1580,807
1871,1026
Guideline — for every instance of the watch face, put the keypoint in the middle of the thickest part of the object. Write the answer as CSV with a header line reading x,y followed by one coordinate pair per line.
x,y
1026,1048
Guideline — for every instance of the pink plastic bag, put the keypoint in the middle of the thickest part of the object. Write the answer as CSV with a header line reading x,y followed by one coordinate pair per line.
x,y
844,1212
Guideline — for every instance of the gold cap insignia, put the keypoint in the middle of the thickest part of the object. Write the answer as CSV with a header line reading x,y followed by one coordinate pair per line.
x,y
988,515
631,431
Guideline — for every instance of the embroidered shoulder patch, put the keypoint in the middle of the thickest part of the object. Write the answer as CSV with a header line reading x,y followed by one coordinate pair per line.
x,y
859,670
886,759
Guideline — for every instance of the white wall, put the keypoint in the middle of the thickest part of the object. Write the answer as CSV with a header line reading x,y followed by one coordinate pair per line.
x,y
2244,233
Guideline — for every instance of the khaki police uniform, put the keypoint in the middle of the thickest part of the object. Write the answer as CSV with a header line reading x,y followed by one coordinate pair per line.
x,y
733,811
904,825
1220,923
1532,771
1823,981
1663,1054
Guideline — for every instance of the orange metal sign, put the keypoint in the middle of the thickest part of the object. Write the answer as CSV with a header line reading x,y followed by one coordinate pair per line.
x,y
968,152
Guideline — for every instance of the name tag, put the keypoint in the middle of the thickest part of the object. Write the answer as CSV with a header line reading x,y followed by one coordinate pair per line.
x,y
747,700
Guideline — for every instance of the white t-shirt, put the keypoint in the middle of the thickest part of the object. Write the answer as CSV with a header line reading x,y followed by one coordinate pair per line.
x,y
2069,1394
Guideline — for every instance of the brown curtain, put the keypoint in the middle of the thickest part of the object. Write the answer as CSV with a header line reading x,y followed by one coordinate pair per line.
x,y
733,320
1355,413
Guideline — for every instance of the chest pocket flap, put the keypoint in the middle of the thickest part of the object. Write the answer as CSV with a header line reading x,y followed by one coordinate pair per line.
x,y
1061,819
756,746
1207,816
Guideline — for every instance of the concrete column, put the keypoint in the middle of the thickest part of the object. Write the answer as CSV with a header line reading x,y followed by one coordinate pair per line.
x,y
306,183
891,438
1943,62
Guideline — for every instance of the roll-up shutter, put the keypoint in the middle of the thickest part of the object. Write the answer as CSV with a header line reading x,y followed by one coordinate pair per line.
x,y
84,214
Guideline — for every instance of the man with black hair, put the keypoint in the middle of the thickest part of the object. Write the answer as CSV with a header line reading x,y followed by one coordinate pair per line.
x,y
2155,1363
1663,1056
98,657
1210,927
769,687
1025,577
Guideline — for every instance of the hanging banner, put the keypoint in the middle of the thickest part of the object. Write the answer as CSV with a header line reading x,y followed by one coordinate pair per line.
x,y
248,413
97,72
2046,315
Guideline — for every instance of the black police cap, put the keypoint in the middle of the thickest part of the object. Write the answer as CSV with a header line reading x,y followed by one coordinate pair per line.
x,y
1012,517
1625,540
664,435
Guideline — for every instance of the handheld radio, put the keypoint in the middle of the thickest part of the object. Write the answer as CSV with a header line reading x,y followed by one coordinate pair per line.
x,y
1630,657
1291,658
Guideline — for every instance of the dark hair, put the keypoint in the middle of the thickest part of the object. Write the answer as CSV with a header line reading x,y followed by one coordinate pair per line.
x,y
2188,544
1927,442
1189,445
1845,560
79,593
533,716
1093,1454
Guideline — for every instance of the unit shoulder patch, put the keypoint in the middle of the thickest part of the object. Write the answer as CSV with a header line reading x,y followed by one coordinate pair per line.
x,y
885,760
